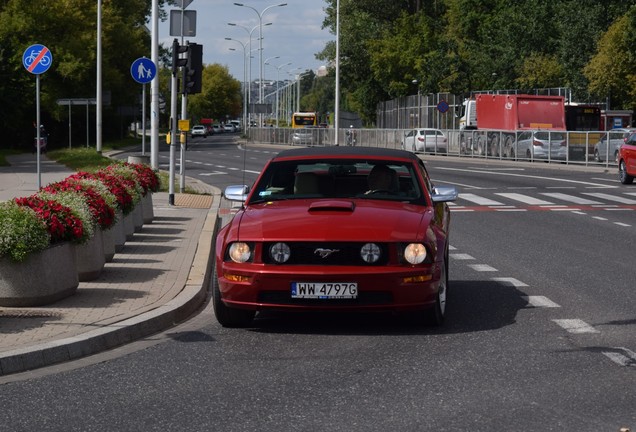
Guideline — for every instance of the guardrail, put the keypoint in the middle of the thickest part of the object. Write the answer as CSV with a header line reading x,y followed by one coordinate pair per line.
x,y
589,148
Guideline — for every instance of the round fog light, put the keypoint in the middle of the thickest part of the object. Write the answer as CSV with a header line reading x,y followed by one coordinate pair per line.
x,y
280,252
370,253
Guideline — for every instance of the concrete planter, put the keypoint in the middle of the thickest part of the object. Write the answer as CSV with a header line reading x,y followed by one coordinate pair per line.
x,y
138,217
148,211
43,278
129,225
90,258
108,241
119,232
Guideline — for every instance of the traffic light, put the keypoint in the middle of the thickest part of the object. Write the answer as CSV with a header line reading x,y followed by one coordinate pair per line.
x,y
193,69
178,62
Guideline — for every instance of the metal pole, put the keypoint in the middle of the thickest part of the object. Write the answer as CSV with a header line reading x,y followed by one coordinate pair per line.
x,y
154,90
337,95
143,119
98,96
173,133
69,125
37,128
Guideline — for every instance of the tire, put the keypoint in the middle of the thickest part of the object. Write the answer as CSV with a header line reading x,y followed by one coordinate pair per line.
x,y
597,156
436,316
622,174
226,316
508,150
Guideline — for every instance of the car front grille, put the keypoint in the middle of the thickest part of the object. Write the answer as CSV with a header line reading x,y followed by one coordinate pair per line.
x,y
327,254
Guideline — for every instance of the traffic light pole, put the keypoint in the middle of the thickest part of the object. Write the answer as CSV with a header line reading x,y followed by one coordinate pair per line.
x,y
184,116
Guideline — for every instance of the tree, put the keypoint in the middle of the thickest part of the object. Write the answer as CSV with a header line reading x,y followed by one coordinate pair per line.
x,y
68,29
220,95
611,70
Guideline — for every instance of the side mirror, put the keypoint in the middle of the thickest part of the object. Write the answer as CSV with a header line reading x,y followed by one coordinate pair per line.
x,y
444,194
236,193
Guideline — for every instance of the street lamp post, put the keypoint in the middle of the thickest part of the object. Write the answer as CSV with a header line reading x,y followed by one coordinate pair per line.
x,y
249,32
260,21
244,46
278,68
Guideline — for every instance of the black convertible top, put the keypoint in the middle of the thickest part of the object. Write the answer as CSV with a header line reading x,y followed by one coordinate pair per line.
x,y
346,151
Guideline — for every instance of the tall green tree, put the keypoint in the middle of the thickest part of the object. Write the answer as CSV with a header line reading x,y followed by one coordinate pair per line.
x,y
220,96
69,29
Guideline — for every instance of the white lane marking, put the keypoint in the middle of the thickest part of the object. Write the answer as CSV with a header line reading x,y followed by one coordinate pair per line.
x,y
524,199
479,200
482,268
571,198
624,358
622,224
575,326
599,218
610,197
510,281
460,256
451,247
212,173
541,301
579,213
525,176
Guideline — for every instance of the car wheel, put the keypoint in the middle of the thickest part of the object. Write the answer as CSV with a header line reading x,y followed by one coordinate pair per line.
x,y
597,156
437,314
226,316
622,174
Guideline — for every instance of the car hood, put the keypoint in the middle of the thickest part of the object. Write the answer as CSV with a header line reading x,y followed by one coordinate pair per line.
x,y
332,219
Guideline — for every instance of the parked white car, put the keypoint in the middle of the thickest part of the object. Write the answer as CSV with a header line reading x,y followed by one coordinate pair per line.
x,y
541,145
425,140
199,130
609,144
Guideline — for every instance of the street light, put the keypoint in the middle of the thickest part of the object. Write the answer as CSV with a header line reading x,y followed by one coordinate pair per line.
x,y
260,21
244,46
278,68
249,32
419,103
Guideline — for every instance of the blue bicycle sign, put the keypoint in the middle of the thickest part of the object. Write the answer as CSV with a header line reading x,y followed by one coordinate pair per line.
x,y
37,59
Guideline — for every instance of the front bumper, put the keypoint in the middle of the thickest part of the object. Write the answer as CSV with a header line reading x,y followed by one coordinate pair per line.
x,y
379,288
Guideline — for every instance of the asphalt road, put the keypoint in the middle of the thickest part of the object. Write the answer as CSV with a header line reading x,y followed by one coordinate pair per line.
x,y
540,334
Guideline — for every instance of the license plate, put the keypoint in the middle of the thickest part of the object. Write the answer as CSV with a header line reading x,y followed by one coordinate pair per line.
x,y
324,290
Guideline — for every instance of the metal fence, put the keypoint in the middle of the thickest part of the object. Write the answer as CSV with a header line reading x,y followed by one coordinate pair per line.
x,y
595,148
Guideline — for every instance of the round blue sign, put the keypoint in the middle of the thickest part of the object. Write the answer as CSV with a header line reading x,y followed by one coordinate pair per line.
x,y
37,59
442,106
143,70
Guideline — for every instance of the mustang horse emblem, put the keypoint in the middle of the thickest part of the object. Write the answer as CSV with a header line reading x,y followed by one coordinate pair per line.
x,y
324,253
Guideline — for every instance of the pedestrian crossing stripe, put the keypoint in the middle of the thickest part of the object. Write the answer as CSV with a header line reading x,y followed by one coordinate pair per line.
x,y
546,201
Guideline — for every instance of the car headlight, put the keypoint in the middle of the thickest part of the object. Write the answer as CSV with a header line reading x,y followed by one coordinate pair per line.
x,y
415,253
370,253
279,252
240,252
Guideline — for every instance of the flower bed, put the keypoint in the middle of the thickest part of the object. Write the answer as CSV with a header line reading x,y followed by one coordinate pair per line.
x,y
73,211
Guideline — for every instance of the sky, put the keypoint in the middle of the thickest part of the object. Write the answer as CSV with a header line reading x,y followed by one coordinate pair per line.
x,y
295,35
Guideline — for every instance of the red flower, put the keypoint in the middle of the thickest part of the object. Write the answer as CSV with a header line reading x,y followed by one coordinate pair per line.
x,y
103,215
61,223
115,185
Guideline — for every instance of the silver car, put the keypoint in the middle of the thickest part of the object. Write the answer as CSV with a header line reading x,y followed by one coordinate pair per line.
x,y
609,144
303,137
425,140
549,145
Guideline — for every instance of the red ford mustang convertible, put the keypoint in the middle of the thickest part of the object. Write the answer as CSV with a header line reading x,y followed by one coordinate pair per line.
x,y
340,228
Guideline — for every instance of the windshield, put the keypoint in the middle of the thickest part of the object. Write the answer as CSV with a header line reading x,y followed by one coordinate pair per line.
x,y
362,179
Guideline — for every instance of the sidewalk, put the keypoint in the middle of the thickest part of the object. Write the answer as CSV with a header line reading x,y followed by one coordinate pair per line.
x,y
159,278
